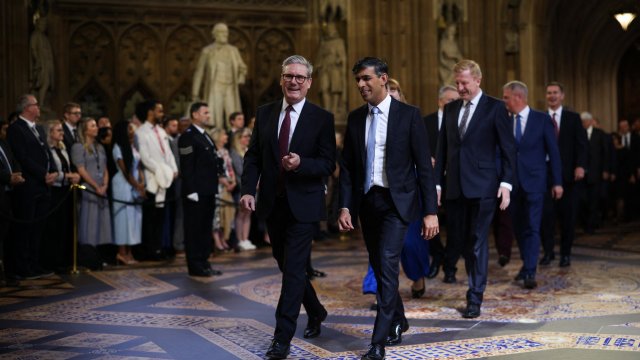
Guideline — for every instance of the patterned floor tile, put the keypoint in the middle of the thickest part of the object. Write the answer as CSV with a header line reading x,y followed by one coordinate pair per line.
x,y
191,302
92,340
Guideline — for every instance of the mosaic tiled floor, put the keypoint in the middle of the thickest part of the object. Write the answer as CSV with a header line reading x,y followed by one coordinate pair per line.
x,y
588,311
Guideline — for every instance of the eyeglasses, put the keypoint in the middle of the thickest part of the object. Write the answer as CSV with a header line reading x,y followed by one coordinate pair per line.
x,y
299,78
76,113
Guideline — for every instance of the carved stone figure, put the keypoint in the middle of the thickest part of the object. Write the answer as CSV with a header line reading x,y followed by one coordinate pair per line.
x,y
449,54
41,60
220,71
332,73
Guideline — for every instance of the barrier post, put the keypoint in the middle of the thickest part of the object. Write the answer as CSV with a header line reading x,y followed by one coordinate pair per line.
x,y
74,188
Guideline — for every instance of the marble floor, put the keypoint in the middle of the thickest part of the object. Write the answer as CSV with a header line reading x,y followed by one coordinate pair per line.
x,y
590,310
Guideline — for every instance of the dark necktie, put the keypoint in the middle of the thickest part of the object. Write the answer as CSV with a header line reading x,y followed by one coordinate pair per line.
x,y
555,125
518,128
75,135
283,146
462,128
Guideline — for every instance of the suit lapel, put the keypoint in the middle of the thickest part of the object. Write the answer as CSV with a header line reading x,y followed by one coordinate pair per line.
x,y
391,128
472,123
361,128
274,117
301,125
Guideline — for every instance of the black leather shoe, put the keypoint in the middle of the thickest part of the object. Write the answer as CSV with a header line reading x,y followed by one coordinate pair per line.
x,y
471,312
503,260
546,259
530,282
277,350
215,272
519,277
565,261
314,273
449,279
417,294
313,326
376,352
395,335
200,272
434,269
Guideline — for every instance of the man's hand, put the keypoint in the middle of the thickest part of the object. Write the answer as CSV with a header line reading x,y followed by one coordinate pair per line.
x,y
50,178
505,194
73,178
430,227
290,161
248,202
433,161
344,221
193,197
16,178
578,174
556,192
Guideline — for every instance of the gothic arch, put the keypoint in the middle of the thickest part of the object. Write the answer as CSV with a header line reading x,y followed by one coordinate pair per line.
x,y
91,56
139,56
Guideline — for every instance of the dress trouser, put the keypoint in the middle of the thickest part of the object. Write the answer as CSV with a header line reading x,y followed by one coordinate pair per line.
x,y
564,211
198,221
383,230
468,222
527,215
291,247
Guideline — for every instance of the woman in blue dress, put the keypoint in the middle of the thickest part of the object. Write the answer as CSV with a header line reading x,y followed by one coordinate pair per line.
x,y
128,186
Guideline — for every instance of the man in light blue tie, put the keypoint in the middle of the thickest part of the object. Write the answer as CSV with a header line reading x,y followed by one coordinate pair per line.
x,y
535,139
385,147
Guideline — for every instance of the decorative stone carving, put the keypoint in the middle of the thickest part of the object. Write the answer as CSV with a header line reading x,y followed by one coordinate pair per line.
x,y
139,55
91,56
272,48
332,71
448,55
42,65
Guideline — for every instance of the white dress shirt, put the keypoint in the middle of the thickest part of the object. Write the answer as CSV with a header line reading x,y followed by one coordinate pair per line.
x,y
558,113
472,109
294,115
379,159
524,116
440,114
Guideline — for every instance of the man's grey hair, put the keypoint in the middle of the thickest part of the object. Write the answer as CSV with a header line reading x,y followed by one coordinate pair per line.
x,y
585,115
444,89
23,102
298,59
517,86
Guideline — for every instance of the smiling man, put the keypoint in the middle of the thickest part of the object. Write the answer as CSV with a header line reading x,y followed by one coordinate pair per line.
x,y
292,148
385,147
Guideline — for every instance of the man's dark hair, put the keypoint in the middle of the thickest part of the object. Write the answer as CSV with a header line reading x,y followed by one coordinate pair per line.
x,y
234,115
556,83
143,108
195,107
379,66
167,119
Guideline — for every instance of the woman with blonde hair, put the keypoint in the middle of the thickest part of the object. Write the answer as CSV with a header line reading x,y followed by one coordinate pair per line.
x,y
224,213
56,251
243,216
90,159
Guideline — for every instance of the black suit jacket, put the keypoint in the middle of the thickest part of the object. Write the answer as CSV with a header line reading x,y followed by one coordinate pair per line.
x,y
313,139
573,144
200,166
599,156
34,156
471,162
407,164
68,140
431,122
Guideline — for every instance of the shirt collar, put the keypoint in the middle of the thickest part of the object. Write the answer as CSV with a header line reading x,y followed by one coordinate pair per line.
x,y
383,106
199,128
524,113
475,99
297,107
557,111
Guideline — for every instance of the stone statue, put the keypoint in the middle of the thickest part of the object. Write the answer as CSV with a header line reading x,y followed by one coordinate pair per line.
x,y
41,60
221,69
449,54
332,72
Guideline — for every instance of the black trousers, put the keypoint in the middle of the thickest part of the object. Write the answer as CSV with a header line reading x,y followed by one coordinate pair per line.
x,y
564,211
24,253
152,226
468,222
198,222
383,230
291,247
57,247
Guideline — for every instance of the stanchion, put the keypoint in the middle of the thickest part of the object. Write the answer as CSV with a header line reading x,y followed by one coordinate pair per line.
x,y
74,188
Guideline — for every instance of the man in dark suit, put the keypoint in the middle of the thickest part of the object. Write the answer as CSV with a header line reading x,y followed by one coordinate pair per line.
x,y
10,176
474,128
31,200
535,140
71,115
292,148
200,168
572,141
386,178
433,122
631,142
596,172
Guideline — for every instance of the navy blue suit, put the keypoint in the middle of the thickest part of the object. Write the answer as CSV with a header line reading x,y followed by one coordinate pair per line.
x,y
291,217
385,212
472,183
538,141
